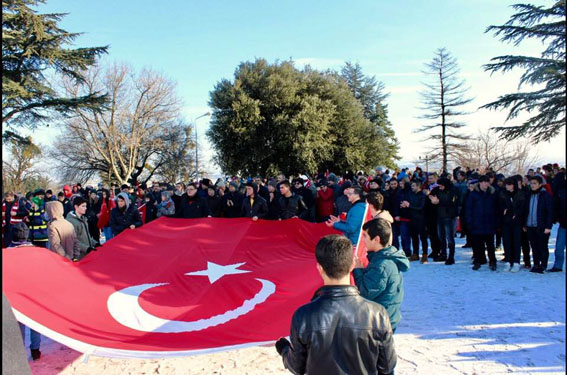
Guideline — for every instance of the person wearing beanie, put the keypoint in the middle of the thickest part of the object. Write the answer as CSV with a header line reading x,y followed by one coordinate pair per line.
x,y
125,215
78,218
37,220
482,214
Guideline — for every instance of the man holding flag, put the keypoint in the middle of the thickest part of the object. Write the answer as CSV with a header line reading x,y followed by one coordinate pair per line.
x,y
355,217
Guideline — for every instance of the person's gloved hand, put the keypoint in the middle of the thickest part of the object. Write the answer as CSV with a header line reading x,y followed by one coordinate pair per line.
x,y
281,344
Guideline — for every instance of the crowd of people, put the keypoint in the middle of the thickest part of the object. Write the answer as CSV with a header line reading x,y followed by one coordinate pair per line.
x,y
426,210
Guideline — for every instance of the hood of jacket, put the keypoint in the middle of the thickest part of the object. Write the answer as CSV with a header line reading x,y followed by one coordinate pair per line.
x,y
54,210
390,252
125,197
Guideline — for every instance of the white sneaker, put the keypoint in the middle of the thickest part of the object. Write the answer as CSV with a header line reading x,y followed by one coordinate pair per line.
x,y
515,267
506,267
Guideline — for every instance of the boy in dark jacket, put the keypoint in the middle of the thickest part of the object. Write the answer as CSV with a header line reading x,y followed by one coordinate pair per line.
x,y
482,217
125,215
512,203
538,223
416,205
445,198
382,280
192,205
254,205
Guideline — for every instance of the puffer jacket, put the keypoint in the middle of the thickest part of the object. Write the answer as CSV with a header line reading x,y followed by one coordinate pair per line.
x,y
353,224
61,233
513,204
382,280
339,332
120,220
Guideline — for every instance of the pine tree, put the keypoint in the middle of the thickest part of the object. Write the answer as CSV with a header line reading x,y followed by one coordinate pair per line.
x,y
548,70
370,93
33,47
443,100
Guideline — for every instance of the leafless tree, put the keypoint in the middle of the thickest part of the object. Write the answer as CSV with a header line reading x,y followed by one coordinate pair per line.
x,y
19,171
130,136
487,149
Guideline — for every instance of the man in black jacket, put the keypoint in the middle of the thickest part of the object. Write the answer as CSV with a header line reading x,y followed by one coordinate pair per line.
x,y
538,223
445,198
192,205
125,215
254,205
338,332
291,205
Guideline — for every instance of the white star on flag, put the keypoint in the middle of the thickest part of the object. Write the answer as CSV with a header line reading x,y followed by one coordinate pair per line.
x,y
216,271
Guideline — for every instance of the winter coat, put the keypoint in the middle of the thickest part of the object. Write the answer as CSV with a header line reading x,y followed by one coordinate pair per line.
x,y
353,224
292,206
166,208
514,205
448,202
274,207
391,200
61,233
38,224
403,213
544,209
462,188
120,220
81,227
104,214
176,198
382,280
325,203
259,208
417,205
194,207
482,211
214,204
234,209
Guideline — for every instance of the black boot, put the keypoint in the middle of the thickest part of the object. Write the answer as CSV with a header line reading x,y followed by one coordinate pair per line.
x,y
440,258
476,267
449,261
492,266
35,354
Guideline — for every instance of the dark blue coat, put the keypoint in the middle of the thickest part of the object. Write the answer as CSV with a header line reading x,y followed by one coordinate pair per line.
x,y
482,211
544,210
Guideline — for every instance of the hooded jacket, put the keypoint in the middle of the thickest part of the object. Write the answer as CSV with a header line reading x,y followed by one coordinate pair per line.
x,y
167,207
120,220
382,280
61,233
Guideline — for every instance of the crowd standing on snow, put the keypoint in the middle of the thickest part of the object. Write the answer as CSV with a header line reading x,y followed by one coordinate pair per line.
x,y
425,210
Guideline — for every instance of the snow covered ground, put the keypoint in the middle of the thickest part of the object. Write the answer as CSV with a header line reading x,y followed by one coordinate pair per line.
x,y
455,321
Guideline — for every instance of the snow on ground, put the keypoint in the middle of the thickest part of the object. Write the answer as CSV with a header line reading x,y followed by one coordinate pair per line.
x,y
455,321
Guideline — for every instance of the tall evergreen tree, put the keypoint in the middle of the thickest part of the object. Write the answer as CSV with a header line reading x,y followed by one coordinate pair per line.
x,y
275,118
548,102
443,100
33,46
370,93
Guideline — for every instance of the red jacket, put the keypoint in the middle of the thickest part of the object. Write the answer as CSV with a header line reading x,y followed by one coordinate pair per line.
x,y
104,215
325,203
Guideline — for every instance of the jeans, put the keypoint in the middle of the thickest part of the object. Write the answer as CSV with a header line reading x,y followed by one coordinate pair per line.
x,y
538,241
35,337
559,248
511,239
446,228
107,233
406,237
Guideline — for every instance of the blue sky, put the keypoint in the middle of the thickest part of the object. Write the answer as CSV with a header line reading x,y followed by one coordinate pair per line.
x,y
197,43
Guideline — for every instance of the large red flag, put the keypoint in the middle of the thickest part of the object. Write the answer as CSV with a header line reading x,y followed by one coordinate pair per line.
x,y
173,287
360,247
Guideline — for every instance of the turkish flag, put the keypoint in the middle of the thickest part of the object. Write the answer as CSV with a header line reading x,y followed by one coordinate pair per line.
x,y
173,287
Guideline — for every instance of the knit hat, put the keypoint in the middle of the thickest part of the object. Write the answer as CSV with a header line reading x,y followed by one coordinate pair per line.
x,y
20,232
234,184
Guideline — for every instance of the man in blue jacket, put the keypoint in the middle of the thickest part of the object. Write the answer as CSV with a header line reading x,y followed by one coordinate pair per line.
x,y
382,281
539,219
355,216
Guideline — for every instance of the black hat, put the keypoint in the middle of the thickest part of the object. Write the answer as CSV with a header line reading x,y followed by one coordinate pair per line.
x,y
20,232
39,192
484,178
